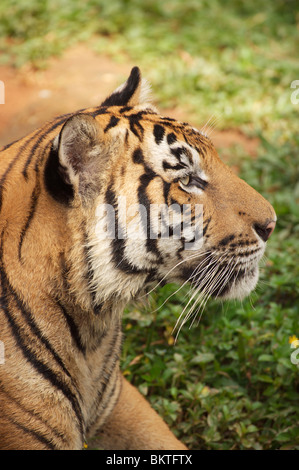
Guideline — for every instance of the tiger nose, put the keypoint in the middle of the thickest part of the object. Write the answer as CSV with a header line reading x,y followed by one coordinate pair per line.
x,y
265,231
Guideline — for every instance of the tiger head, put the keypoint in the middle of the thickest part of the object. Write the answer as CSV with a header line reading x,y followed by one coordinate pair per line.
x,y
154,203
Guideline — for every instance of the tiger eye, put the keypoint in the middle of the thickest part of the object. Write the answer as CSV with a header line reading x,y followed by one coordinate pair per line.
x,y
185,181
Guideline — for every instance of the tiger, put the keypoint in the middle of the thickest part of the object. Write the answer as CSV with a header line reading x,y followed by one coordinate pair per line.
x,y
70,263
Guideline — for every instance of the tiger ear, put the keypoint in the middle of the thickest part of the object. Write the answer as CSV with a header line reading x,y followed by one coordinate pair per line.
x,y
76,159
133,92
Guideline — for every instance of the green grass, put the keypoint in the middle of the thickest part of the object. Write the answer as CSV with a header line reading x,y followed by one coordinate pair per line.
x,y
236,61
228,383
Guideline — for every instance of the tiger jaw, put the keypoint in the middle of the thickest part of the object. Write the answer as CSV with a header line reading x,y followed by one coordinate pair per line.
x,y
223,276
241,288
237,285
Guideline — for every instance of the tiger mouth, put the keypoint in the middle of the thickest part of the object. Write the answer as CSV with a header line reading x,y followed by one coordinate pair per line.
x,y
229,279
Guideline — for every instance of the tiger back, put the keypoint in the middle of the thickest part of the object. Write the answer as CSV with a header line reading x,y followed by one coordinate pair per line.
x,y
92,206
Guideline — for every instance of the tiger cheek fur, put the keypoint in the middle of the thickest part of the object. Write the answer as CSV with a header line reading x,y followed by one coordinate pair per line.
x,y
73,196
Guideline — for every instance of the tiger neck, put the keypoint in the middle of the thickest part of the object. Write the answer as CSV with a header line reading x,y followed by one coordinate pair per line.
x,y
90,273
93,313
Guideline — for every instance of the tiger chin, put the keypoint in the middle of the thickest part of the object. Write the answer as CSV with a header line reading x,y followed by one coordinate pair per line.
x,y
71,257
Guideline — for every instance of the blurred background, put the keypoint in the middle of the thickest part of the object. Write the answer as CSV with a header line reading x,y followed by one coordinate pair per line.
x,y
228,382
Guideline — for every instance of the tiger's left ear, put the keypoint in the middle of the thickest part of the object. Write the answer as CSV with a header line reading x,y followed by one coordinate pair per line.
x,y
77,160
133,92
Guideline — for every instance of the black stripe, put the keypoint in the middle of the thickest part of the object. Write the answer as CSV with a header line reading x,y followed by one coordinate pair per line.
x,y
110,369
97,307
98,111
202,151
166,189
118,244
177,152
74,330
167,119
11,164
3,178
147,177
159,132
138,156
126,138
185,139
171,138
205,228
33,205
35,329
33,414
226,240
106,400
125,109
151,277
144,201
135,126
168,166
7,146
33,433
151,243
112,123
110,361
87,258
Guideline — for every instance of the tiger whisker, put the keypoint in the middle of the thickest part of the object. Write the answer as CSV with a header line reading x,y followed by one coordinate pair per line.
x,y
203,129
202,306
190,300
173,293
212,126
196,255
213,283
167,274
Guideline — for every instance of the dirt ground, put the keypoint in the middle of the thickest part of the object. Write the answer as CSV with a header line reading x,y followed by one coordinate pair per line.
x,y
79,79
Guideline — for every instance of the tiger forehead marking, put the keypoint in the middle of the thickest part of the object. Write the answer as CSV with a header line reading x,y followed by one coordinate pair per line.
x,y
169,138
95,207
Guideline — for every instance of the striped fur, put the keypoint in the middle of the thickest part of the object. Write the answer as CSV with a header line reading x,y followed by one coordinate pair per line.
x,y
63,288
